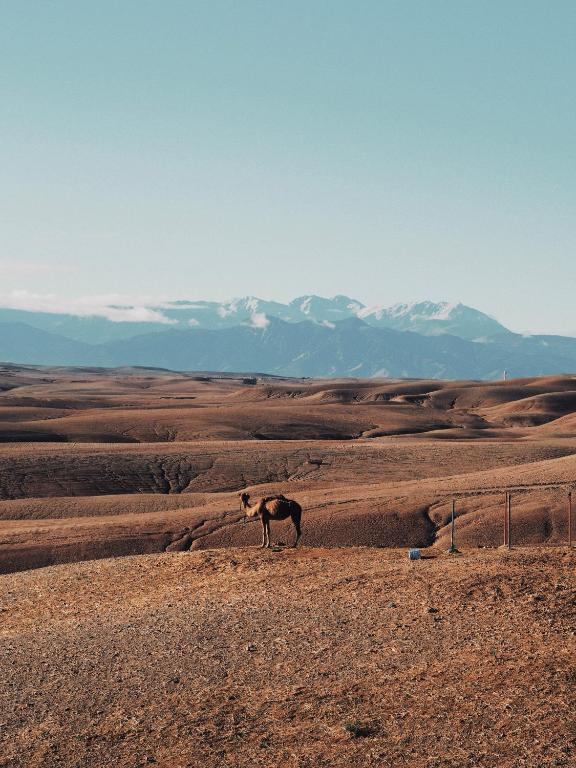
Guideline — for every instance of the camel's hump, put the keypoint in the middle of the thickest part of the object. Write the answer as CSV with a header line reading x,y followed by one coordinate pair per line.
x,y
279,507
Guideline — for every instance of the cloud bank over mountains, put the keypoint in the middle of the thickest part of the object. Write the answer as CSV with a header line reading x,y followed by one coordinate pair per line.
x,y
116,308
423,317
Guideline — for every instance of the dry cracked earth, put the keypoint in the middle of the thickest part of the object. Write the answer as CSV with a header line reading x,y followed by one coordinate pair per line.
x,y
140,624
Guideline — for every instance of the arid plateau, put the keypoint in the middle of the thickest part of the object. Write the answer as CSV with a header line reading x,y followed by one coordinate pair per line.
x,y
141,624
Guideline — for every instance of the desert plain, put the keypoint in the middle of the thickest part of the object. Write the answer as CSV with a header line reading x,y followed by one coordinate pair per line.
x,y
140,623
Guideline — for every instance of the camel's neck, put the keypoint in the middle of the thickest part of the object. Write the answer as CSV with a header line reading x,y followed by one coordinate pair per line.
x,y
252,509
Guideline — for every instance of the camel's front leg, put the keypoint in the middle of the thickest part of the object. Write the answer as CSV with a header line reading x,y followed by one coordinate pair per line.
x,y
265,531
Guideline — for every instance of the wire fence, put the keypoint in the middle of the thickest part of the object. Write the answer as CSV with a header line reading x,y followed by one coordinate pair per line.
x,y
513,517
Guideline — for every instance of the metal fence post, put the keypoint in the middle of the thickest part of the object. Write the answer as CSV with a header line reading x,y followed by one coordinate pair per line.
x,y
509,521
452,549
570,519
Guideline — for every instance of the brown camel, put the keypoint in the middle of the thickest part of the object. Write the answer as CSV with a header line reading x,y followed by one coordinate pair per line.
x,y
272,508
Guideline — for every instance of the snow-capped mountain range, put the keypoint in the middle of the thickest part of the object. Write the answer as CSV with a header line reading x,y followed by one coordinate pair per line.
x,y
108,323
310,336
426,317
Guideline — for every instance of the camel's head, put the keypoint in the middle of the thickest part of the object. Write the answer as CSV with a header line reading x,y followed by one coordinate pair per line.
x,y
244,504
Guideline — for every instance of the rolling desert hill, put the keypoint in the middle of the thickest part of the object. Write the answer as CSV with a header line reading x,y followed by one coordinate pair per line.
x,y
99,462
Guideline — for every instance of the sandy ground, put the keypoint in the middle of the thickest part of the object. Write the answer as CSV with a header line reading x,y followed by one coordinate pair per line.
x,y
341,653
314,657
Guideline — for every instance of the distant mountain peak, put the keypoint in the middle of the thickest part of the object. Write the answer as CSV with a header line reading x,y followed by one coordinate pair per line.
x,y
432,318
326,309
439,310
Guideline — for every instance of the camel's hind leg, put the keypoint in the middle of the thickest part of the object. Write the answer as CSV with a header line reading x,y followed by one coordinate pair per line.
x,y
268,542
296,516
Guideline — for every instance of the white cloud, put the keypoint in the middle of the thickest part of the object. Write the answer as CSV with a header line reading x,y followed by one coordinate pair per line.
x,y
259,320
115,308
224,311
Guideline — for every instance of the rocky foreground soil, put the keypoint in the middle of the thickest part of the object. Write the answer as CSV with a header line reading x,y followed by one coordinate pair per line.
x,y
313,657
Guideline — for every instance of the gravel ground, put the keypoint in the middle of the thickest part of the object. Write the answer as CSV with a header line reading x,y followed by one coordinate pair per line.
x,y
313,657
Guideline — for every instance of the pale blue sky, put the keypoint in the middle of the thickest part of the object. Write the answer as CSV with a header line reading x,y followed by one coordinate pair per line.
x,y
387,149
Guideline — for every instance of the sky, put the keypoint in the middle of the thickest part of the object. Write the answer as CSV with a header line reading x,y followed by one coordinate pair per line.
x,y
389,150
